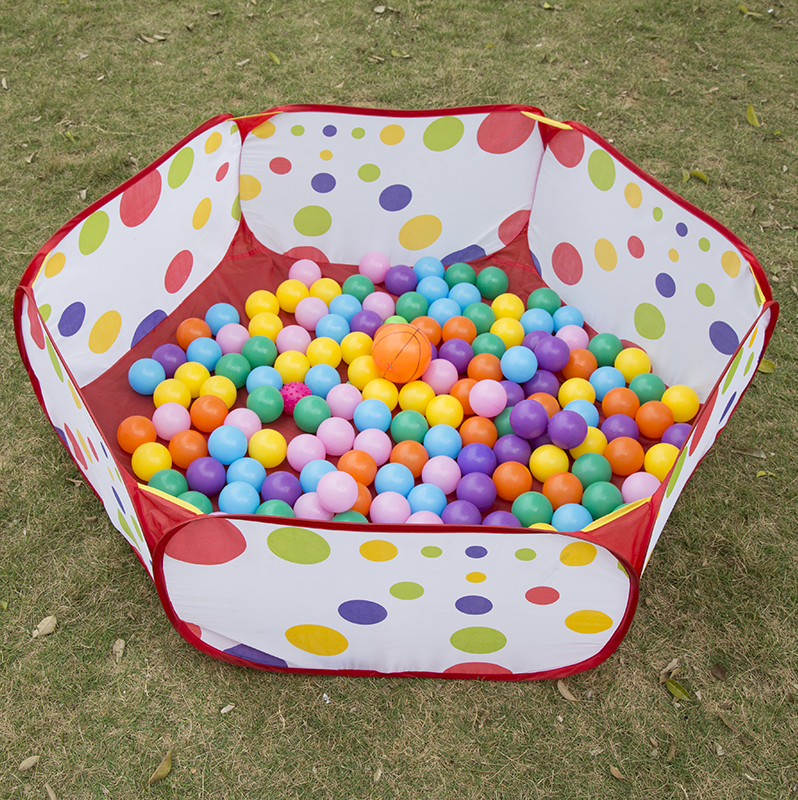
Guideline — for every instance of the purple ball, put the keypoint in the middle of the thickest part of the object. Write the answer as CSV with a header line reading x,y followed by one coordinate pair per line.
x,y
567,429
170,357
476,457
677,434
539,441
367,322
617,425
512,448
552,354
478,488
515,394
400,279
434,351
529,419
206,475
458,351
461,512
542,381
502,518
533,339
281,486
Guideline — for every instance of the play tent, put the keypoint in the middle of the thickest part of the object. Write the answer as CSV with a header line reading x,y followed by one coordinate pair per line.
x,y
227,210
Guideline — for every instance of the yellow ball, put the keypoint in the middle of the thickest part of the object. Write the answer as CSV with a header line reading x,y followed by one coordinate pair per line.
x,y
324,351
544,526
325,289
576,389
659,460
547,460
595,442
682,401
508,305
172,391
149,458
362,371
266,323
193,375
260,301
632,361
292,366
267,446
355,344
382,389
289,293
444,410
221,387
509,330
415,396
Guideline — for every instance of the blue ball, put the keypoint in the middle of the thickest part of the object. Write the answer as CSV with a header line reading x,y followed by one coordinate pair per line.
x,y
264,376
238,497
219,315
372,413
334,326
313,472
206,351
586,410
144,375
321,378
247,470
427,497
519,364
571,517
464,294
604,379
429,266
394,478
443,309
537,319
346,306
567,315
443,440
227,444
433,288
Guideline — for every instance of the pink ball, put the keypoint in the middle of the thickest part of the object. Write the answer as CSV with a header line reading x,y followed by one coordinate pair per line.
x,y
443,472
309,507
337,491
303,449
638,485
343,399
376,443
305,270
169,419
292,393
424,518
232,338
309,311
575,337
246,420
293,337
441,375
381,304
487,398
374,266
389,508
337,435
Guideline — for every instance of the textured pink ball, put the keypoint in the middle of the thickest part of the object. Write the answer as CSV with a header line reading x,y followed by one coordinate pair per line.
x,y
292,337
303,449
309,507
389,508
487,398
169,419
343,399
306,271
309,311
424,518
639,485
246,420
374,266
292,393
337,435
441,375
382,304
376,443
232,338
443,472
337,491
575,337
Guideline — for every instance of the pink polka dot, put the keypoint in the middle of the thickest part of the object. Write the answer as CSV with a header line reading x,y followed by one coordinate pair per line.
x,y
207,541
280,166
512,226
178,271
195,629
504,131
140,199
75,447
567,263
636,246
36,332
477,668
542,595
568,147
313,253
702,422
91,447
222,171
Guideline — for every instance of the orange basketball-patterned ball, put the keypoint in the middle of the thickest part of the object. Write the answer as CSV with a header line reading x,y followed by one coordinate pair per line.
x,y
401,352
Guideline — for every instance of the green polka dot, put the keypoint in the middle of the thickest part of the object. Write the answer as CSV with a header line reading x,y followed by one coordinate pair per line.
x,y
601,169
368,173
478,640
749,363
657,214
622,568
704,245
312,221
525,554
93,232
133,519
704,294
45,311
649,322
123,525
54,360
297,130
358,133
443,133
407,590
431,552
235,211
180,168
298,545
676,472
732,371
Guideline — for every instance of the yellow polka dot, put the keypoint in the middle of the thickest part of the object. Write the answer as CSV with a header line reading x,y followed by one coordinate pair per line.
x,y
420,232
633,195
113,479
264,130
84,446
325,155
392,134
578,554
752,339
54,264
673,255
619,512
75,397
378,550
588,622
317,639
249,187
476,577
213,142
202,213
104,332
731,263
606,257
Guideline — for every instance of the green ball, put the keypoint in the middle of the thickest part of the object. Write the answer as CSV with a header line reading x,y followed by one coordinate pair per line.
x,y
492,282
488,343
532,507
502,423
460,273
482,315
395,320
260,351
198,500
591,468
544,298
169,481
275,508
235,367
411,305
266,402
601,498
647,386
358,286
310,412
350,516
605,347
409,425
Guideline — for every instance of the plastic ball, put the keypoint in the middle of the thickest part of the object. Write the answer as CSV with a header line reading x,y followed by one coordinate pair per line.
x,y
647,387
266,403
268,447
206,475
590,468
401,353
444,309
567,316
221,387
632,361
134,431
409,425
529,419
479,489
411,305
303,449
512,480
205,352
423,517
544,298
247,470
186,447
309,312
148,458
415,396
531,508
259,301
292,338
227,443
170,357
601,498
305,270
372,413
464,294
362,371
487,398
536,319
190,329
444,410
358,286
677,434
325,289
337,491
542,381
289,293
546,461
442,471
502,423
605,347
534,338
605,379
638,486
232,337
282,486
653,419
354,345
492,282
461,512
376,443
234,367
659,460
172,390
219,315
309,507
346,306
245,419
595,442
552,354
192,374
412,454
351,516
337,435
571,517
567,429
292,366
585,409
310,412
481,315
275,508
510,331
381,304
518,364
619,425
620,401
431,288
265,324
394,477
508,305
510,447
364,498
374,266
428,266
427,497
145,375
208,412
625,455
197,499
400,279
562,488
382,390
442,440
360,465
312,472
477,457
459,273
389,508
169,419
682,401
343,400
321,378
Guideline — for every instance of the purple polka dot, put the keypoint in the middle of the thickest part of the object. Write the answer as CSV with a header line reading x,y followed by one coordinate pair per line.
x,y
723,338
105,452
729,406
473,604
476,551
536,262
681,229
362,612
72,319
61,433
323,182
146,325
666,286
329,130
251,654
118,500
467,254
396,197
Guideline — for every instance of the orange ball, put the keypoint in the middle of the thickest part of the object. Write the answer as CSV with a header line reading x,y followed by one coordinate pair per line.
x,y
479,429
653,419
429,326
549,402
208,412
512,480
581,364
359,464
460,391
187,446
363,502
485,366
625,455
190,329
459,328
401,352
412,454
620,401
562,488
134,431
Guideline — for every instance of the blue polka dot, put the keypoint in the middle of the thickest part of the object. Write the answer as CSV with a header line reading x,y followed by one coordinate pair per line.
x,y
105,452
258,656
329,130
729,406
72,319
476,551
396,197
146,325
723,338
362,612
118,500
467,254
665,284
681,229
323,182
473,604
536,262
